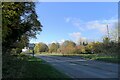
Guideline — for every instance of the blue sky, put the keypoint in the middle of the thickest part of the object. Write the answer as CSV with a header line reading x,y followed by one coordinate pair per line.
x,y
74,20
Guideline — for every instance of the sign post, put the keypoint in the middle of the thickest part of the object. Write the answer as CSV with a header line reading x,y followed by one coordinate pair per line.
x,y
31,46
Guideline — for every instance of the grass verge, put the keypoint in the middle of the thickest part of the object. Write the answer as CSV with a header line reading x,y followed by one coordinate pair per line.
x,y
41,69
28,67
106,58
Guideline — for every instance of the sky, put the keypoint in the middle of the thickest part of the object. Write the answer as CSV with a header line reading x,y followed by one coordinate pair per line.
x,y
75,20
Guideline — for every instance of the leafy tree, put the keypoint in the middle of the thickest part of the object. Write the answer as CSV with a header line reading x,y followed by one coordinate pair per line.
x,y
96,47
68,47
89,48
58,45
85,43
106,40
68,43
40,47
53,47
20,44
19,23
36,48
18,18
114,33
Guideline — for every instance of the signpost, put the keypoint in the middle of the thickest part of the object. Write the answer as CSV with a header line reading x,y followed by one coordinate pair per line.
x,y
31,47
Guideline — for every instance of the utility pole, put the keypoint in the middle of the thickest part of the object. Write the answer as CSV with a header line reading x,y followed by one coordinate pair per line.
x,y
108,31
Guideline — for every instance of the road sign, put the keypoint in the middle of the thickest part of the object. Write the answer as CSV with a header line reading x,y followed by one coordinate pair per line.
x,y
31,46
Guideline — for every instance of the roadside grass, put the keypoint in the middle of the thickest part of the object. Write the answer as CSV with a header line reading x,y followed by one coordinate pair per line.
x,y
106,58
41,69
109,59
28,67
55,54
46,53
99,57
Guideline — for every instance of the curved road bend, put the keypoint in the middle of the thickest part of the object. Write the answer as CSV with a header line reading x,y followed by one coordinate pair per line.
x,y
76,67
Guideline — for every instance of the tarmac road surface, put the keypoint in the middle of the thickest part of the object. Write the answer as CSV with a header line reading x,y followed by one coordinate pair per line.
x,y
76,67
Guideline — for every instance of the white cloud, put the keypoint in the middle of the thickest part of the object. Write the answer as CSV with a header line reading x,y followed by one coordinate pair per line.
x,y
58,41
78,23
101,25
75,22
61,41
98,25
53,41
77,36
67,19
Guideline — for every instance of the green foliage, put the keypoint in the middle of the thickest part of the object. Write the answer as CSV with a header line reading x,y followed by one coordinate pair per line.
x,y
96,47
19,23
18,18
20,44
68,47
40,47
106,40
68,43
24,67
37,68
89,49
106,48
53,47
114,33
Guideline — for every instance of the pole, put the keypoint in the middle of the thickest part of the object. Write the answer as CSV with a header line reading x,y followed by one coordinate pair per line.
x,y
108,31
33,53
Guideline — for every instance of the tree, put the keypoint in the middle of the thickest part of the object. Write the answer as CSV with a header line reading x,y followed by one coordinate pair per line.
x,y
20,44
68,47
68,43
18,18
40,47
53,47
80,49
114,33
106,40
96,47
89,48
19,23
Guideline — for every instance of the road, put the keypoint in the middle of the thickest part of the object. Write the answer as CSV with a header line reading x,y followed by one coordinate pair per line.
x,y
76,67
